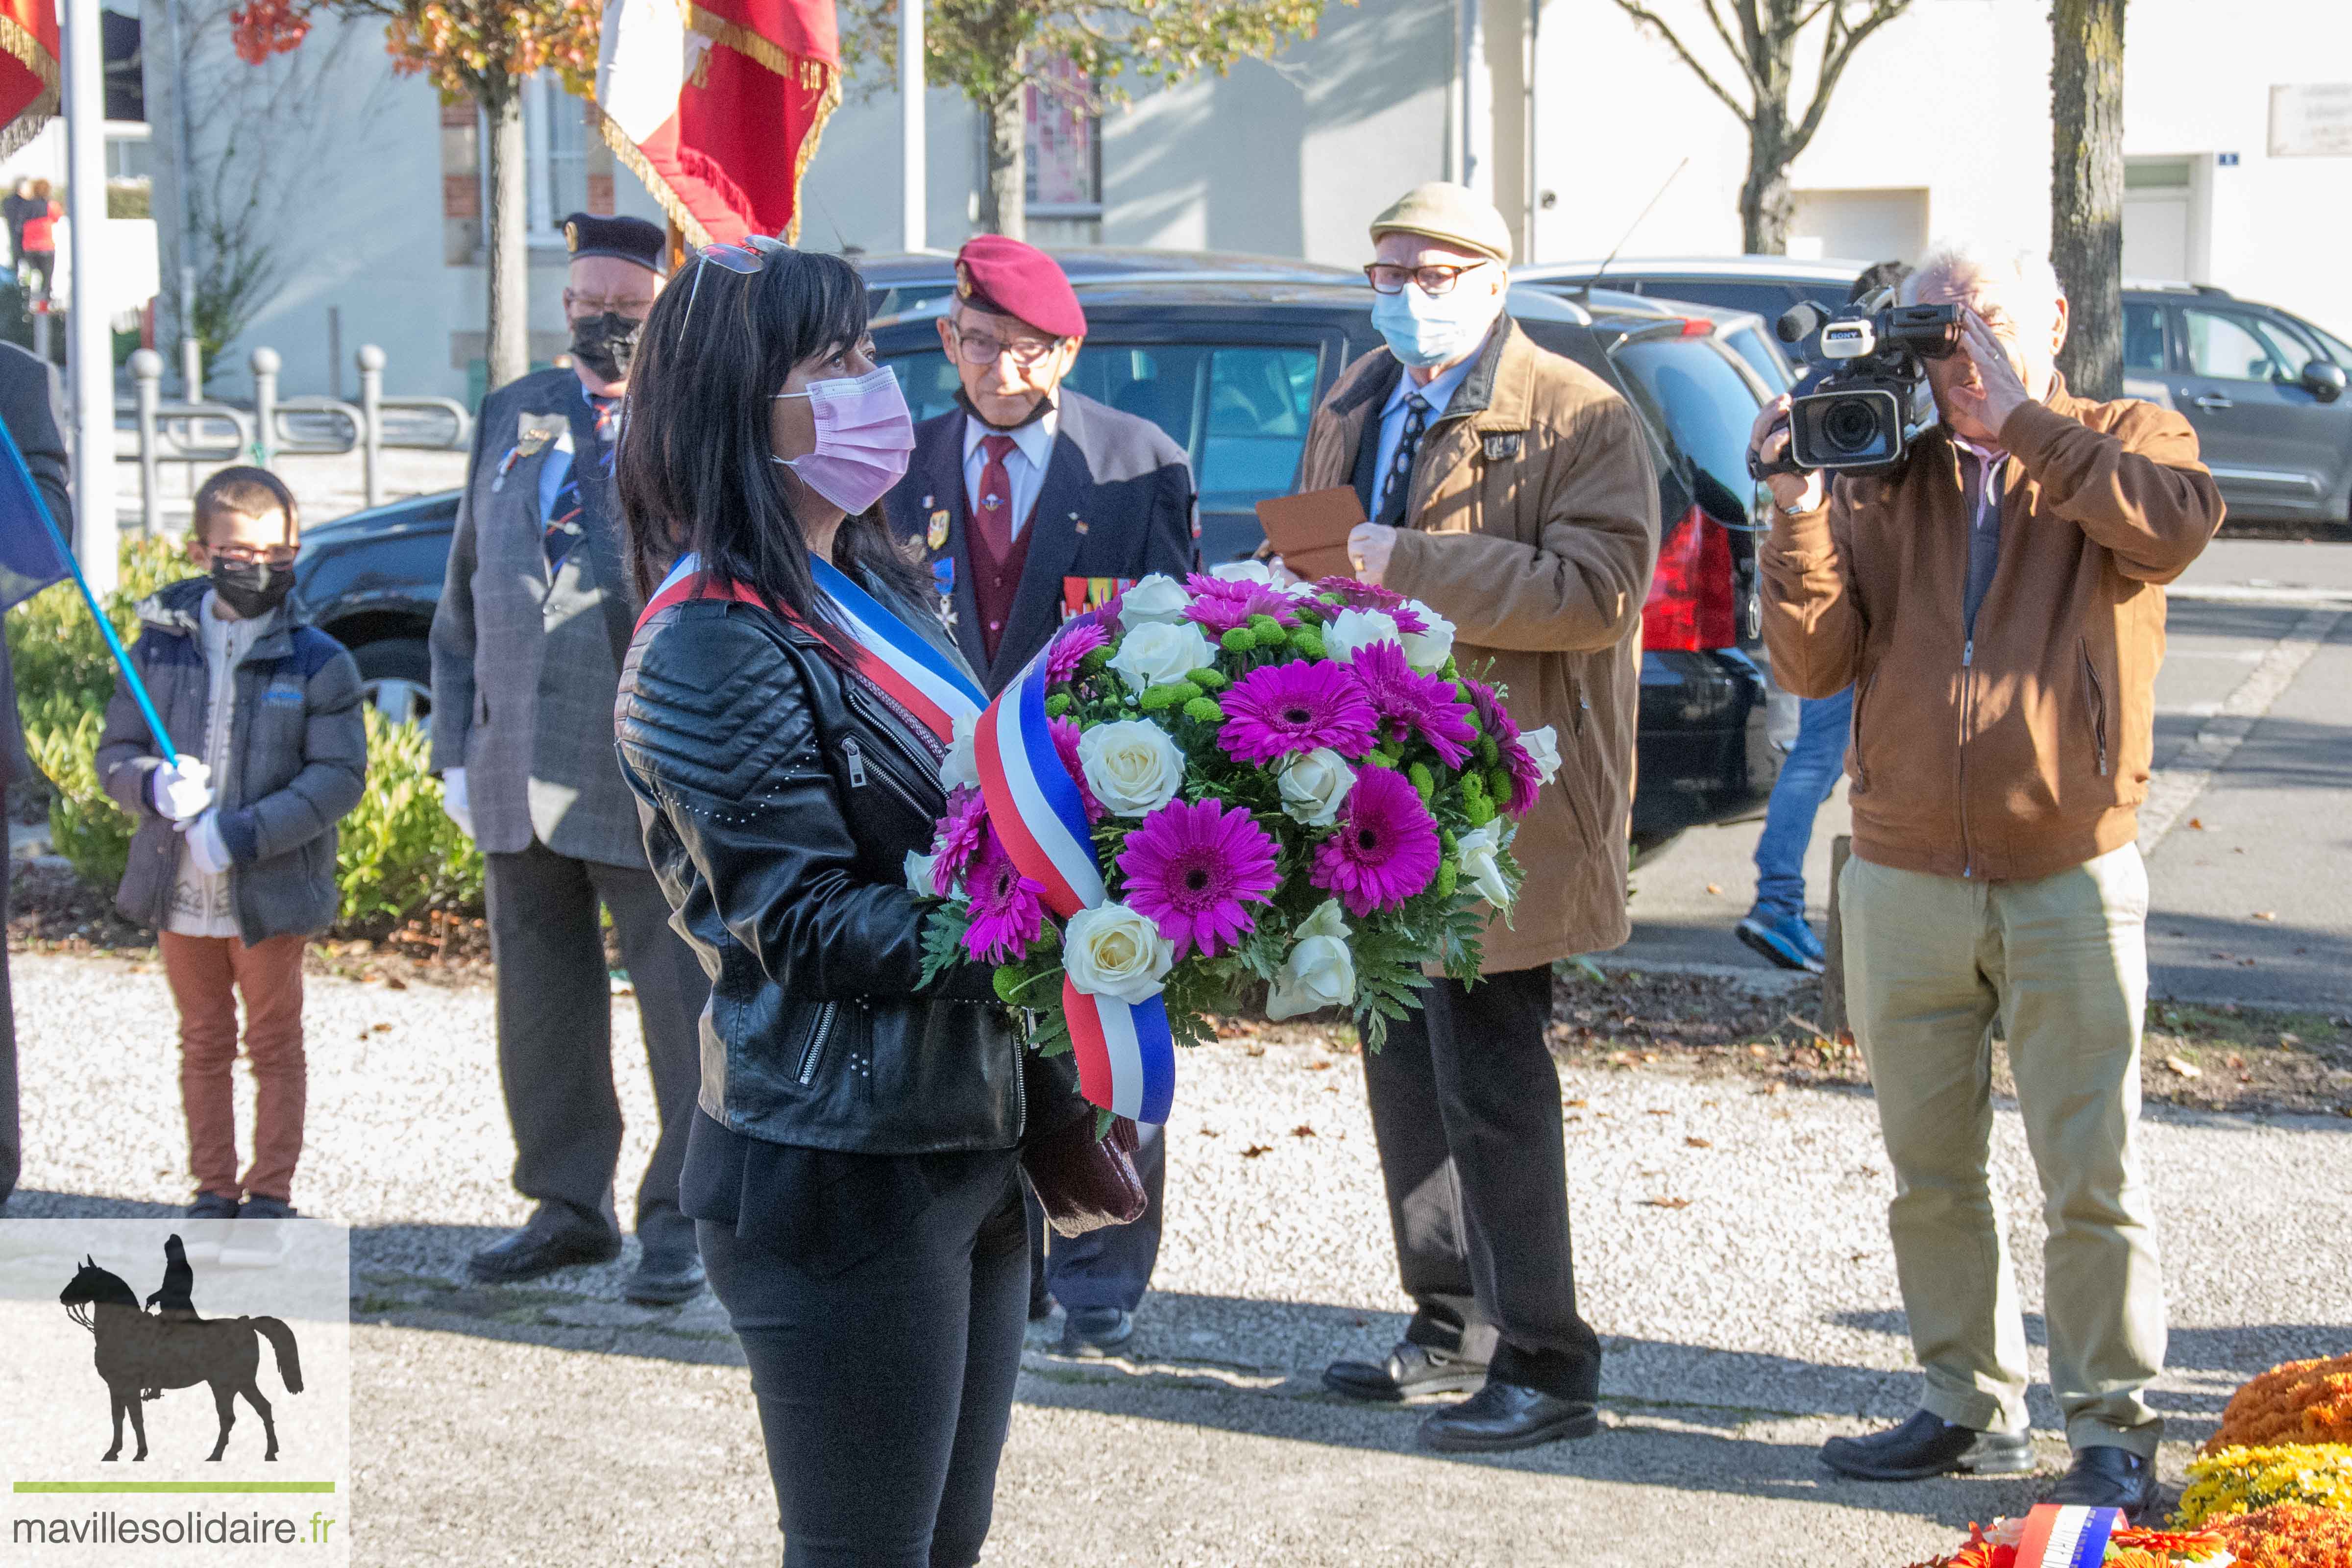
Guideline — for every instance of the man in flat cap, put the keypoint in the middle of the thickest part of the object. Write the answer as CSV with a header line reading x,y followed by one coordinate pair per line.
x,y
527,648
1511,491
1035,503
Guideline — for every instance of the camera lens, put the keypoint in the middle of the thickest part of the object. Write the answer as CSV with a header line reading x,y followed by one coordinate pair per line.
x,y
1851,427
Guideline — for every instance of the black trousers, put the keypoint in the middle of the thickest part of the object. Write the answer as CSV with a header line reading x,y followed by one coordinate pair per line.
x,y
1110,1267
885,1389
555,1031
1466,1107
12,1126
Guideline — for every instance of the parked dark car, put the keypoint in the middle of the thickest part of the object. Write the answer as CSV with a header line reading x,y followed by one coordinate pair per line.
x,y
899,281
1233,371
2264,388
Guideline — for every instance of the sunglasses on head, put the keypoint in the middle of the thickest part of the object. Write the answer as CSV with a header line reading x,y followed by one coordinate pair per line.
x,y
743,260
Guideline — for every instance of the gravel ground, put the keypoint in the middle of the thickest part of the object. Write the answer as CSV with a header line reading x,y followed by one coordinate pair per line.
x,y
1730,1246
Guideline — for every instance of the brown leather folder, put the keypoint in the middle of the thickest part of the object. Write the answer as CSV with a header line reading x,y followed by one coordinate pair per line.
x,y
1309,532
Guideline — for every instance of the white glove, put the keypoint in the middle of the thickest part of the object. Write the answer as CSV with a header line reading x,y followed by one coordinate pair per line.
x,y
180,788
205,846
453,801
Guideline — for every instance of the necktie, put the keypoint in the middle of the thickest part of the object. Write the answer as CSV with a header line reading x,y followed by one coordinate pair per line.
x,y
994,510
562,529
1398,484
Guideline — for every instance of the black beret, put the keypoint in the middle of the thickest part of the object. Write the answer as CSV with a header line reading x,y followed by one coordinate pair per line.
x,y
622,238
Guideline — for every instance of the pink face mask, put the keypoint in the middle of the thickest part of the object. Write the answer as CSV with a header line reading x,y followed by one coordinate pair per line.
x,y
863,439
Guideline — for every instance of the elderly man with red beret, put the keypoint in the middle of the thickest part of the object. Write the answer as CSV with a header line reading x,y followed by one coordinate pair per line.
x,y
1035,503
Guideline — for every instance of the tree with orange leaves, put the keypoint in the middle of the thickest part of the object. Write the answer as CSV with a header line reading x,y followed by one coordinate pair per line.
x,y
478,49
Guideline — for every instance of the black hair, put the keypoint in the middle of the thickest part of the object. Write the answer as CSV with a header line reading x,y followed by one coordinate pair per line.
x,y
250,490
1876,276
694,470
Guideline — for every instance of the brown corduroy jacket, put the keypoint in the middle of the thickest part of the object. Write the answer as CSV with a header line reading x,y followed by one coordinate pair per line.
x,y
1532,526
2025,748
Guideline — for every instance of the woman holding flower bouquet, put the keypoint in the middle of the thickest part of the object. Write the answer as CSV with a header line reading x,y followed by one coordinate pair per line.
x,y
784,709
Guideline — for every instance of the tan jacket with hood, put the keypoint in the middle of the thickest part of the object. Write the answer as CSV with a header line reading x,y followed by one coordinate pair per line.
x,y
1532,525
2022,748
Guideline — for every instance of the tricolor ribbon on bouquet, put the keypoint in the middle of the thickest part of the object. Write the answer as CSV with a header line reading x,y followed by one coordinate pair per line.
x,y
2064,1536
888,652
1126,1056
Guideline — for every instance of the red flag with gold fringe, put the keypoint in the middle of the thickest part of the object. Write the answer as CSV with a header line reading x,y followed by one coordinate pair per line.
x,y
28,69
716,106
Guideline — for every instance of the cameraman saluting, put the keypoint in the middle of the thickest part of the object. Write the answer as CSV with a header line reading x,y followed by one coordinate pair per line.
x,y
1997,600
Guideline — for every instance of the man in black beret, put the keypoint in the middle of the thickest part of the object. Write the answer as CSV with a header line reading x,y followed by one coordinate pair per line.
x,y
527,648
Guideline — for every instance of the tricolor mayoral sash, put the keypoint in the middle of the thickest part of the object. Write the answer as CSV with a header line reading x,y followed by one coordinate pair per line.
x,y
2062,1536
1126,1056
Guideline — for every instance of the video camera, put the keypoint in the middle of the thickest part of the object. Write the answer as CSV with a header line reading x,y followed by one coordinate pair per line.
x,y
1864,414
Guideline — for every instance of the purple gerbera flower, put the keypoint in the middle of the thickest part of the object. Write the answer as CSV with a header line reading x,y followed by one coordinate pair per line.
x,y
1219,604
1384,850
1065,746
1190,867
1496,720
1007,911
959,834
1084,634
1355,596
1283,709
1416,704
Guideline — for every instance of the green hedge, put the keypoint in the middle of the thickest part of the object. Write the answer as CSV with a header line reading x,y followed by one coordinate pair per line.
x,y
399,855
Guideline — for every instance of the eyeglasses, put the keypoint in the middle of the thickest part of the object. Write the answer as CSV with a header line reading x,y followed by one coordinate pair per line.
x,y
1431,281
740,260
247,555
620,304
979,348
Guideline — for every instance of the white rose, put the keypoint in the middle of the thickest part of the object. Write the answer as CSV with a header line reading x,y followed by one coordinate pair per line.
x,y
1476,852
1428,651
1133,766
1155,654
1543,745
1313,785
1156,600
1320,971
1113,950
959,769
923,874
1353,629
1244,572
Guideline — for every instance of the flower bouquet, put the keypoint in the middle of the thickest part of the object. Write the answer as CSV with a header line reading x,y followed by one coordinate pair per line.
x,y
1205,784
2053,1537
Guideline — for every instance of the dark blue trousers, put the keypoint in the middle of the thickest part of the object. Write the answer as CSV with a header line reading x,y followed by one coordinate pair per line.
x,y
1107,1268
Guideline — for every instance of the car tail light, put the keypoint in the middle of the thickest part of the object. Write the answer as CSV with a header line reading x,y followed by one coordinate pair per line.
x,y
1690,604
1696,326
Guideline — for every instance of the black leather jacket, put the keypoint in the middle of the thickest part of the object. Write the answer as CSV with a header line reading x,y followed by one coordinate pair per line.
x,y
779,799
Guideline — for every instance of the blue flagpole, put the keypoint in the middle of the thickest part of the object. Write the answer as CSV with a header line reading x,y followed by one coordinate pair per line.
x,y
105,626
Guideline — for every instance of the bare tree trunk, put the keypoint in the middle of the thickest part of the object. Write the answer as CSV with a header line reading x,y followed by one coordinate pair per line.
x,y
509,320
2087,191
1003,196
1767,205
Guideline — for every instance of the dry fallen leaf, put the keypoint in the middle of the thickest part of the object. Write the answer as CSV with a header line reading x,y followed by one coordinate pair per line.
x,y
1698,1143
2284,1040
2237,1062
1667,1203
1210,1133
2266,914
1757,1051
1659,1110
2184,1066
1714,888
1302,1131
1319,1065
1254,1149
1573,1102
2198,823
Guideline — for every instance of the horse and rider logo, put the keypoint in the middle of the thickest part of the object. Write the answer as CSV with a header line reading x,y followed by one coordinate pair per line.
x,y
141,1353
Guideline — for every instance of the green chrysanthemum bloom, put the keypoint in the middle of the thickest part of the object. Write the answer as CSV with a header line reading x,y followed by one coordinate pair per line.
x,y
1240,639
1161,698
1308,641
1474,788
1267,629
1381,757
1447,842
1422,785
1007,981
1057,704
1489,753
1479,810
1449,876
1498,783
1209,679
1202,710
1095,662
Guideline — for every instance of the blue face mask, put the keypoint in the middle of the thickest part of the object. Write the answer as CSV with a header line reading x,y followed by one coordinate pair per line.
x,y
1422,331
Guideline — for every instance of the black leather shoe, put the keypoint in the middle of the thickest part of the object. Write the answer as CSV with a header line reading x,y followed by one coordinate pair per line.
x,y
1410,1370
1928,1445
664,1277
535,1251
1506,1416
2108,1477
1095,1331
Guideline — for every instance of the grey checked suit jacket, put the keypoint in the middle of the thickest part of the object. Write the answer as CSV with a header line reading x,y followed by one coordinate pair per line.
x,y
525,669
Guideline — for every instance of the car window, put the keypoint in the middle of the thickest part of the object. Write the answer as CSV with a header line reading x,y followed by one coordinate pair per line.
x,y
1763,357
1767,299
2290,348
1239,412
2143,338
2337,349
2225,347
1709,406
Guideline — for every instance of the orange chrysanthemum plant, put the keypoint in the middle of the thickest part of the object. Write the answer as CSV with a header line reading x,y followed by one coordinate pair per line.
x,y
2297,1402
2287,1535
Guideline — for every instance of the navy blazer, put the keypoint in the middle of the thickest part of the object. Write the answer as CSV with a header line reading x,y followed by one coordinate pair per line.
x,y
1117,502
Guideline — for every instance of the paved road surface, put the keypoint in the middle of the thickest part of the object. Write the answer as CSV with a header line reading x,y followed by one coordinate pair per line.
x,y
2251,884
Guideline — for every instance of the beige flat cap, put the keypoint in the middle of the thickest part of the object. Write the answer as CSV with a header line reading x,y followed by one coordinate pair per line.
x,y
1441,210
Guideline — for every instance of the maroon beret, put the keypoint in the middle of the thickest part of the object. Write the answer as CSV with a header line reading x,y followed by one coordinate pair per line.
x,y
1006,278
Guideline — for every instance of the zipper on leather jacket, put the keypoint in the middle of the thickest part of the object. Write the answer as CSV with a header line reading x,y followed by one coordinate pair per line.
x,y
2099,704
856,763
812,1052
859,776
